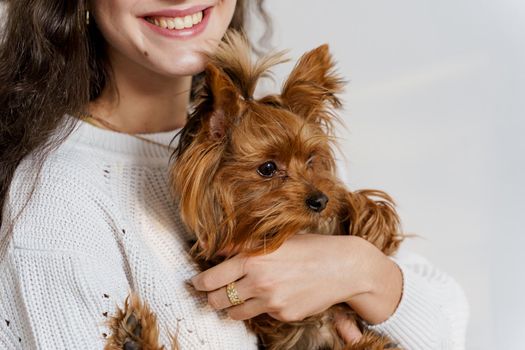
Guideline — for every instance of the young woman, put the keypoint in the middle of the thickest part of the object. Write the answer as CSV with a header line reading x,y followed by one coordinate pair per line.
x,y
86,212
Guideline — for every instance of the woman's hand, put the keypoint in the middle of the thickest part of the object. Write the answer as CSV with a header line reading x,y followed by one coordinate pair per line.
x,y
306,275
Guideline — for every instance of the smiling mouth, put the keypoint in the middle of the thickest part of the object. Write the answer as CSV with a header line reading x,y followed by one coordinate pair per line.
x,y
177,23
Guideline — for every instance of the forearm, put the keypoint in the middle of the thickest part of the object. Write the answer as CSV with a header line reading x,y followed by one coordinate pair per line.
x,y
380,283
385,286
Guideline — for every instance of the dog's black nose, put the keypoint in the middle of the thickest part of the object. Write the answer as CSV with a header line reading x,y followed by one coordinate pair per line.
x,y
317,201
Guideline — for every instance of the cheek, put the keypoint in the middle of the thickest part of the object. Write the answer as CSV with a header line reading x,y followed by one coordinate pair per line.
x,y
115,19
119,27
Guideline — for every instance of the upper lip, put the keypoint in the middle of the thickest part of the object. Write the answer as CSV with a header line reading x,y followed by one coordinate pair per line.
x,y
176,13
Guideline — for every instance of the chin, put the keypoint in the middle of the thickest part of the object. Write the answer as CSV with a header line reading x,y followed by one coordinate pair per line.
x,y
185,64
191,63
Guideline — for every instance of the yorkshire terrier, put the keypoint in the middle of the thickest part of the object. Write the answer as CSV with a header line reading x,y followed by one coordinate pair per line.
x,y
252,172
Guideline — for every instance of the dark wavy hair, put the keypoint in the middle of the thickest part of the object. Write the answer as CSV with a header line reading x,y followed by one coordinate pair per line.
x,y
53,63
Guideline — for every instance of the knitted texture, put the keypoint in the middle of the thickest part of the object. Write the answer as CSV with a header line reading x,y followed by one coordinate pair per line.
x,y
101,222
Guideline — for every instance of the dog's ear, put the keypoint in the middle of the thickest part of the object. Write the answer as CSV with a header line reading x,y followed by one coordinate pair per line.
x,y
199,155
313,85
224,99
373,217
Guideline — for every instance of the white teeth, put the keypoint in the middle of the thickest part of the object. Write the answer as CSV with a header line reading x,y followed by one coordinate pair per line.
x,y
188,22
177,22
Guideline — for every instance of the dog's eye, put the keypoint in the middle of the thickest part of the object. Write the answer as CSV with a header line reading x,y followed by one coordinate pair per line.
x,y
267,169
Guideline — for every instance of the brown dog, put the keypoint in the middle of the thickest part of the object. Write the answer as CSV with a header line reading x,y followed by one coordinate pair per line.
x,y
251,173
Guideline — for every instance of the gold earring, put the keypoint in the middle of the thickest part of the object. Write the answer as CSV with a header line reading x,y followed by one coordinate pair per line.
x,y
87,17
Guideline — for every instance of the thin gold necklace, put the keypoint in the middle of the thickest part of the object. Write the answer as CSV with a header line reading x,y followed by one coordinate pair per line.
x,y
89,118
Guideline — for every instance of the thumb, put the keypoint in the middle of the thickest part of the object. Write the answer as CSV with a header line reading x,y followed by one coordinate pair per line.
x,y
347,328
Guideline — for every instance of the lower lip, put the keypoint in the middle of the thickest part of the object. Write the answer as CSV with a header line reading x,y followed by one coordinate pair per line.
x,y
186,33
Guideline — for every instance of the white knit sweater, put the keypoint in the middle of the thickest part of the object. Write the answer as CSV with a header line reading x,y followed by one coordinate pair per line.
x,y
101,221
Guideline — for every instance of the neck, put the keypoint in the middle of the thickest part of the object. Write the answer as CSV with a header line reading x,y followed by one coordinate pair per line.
x,y
141,101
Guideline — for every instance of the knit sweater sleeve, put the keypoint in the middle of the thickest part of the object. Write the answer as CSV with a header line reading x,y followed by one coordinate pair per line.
x,y
433,310
60,270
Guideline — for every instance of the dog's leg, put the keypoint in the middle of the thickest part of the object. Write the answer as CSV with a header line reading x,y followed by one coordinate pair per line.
x,y
373,341
134,327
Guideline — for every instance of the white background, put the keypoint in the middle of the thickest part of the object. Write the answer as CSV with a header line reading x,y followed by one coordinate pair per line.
x,y
435,109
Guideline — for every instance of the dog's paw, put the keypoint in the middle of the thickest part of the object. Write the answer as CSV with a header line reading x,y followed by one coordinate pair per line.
x,y
132,345
133,328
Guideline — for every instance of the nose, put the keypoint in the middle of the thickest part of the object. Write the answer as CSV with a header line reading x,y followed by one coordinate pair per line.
x,y
316,201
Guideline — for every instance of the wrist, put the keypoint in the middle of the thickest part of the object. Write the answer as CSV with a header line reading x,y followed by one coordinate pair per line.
x,y
381,285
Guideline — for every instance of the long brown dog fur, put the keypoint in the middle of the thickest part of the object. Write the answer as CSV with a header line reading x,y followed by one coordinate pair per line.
x,y
232,206
135,328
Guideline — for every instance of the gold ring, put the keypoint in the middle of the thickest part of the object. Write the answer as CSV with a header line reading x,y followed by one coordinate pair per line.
x,y
233,296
